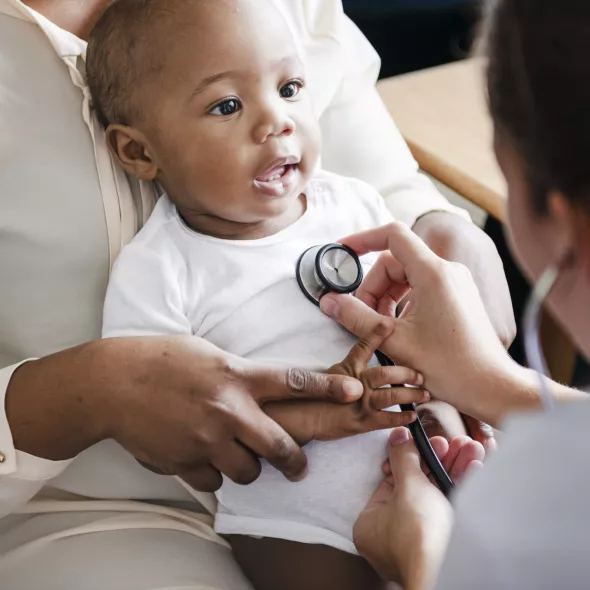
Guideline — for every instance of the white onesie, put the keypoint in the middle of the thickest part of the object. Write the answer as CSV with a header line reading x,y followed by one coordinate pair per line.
x,y
243,297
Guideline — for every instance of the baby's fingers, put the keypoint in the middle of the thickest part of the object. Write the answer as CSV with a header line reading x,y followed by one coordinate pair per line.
x,y
377,377
381,420
393,396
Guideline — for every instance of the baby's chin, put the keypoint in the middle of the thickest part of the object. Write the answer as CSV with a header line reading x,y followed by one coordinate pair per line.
x,y
276,212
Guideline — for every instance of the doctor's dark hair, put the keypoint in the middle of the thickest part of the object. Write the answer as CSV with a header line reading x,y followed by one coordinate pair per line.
x,y
125,56
539,91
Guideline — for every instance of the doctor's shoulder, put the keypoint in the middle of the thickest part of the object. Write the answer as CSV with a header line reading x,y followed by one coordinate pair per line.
x,y
522,521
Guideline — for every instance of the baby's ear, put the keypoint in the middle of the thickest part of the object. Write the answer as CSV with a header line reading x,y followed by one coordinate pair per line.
x,y
130,148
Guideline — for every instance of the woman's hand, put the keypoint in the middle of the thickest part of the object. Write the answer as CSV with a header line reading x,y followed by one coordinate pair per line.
x,y
453,238
306,421
404,530
178,404
444,331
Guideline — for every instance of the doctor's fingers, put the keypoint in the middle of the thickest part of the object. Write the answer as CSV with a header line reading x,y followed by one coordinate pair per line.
x,y
267,383
414,258
386,279
362,321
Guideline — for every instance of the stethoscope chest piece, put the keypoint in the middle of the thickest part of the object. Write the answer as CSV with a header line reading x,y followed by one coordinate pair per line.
x,y
328,269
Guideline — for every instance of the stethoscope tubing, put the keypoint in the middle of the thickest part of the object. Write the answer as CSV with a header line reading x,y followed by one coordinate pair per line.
x,y
427,453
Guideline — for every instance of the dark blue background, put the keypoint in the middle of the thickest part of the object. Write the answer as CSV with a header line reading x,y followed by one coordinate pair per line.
x,y
415,34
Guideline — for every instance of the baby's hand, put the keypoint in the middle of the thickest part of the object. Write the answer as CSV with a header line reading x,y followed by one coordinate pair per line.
x,y
307,421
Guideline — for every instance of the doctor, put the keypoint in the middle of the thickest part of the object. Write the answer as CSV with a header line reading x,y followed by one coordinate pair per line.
x,y
522,521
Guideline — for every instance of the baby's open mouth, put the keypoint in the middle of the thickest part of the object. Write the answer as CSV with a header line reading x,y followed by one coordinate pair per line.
x,y
277,180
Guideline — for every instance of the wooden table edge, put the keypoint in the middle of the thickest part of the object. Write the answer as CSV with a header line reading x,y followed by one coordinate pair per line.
x,y
463,184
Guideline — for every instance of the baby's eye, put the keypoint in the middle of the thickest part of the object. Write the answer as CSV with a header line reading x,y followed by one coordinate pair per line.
x,y
226,108
291,89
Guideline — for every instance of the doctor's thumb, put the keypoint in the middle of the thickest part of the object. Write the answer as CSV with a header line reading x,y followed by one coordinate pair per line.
x,y
404,459
354,315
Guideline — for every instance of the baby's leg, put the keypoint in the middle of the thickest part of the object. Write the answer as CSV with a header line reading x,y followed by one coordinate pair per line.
x,y
275,564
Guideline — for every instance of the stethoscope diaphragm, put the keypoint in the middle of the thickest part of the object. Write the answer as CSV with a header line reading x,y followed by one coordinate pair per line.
x,y
333,268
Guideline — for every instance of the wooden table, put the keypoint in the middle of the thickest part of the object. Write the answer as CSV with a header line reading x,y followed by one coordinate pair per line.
x,y
442,114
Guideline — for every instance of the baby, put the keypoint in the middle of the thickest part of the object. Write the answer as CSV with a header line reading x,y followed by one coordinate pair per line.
x,y
209,99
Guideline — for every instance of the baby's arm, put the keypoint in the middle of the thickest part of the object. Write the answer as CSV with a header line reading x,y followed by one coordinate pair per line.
x,y
144,296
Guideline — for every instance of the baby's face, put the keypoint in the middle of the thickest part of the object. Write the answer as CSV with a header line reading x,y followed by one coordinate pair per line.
x,y
231,128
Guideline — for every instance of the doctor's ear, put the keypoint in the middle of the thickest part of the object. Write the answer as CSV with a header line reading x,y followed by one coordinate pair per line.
x,y
129,146
571,226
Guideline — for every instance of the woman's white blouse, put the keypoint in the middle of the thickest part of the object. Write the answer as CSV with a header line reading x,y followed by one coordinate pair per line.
x,y
65,211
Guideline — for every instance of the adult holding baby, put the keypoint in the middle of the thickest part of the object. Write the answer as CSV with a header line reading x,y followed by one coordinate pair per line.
x,y
522,521
84,531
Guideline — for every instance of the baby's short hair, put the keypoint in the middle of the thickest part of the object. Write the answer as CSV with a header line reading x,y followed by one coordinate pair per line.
x,y
125,52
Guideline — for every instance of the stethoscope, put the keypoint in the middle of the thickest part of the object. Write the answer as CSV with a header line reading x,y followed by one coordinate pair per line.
x,y
335,268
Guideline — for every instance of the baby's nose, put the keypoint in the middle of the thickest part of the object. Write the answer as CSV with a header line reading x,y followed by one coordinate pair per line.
x,y
274,123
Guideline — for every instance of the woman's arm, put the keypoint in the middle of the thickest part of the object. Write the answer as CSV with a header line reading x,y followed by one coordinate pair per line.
x,y
177,403
362,140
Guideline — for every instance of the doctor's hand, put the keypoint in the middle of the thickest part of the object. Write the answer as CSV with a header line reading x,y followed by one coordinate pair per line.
x,y
404,530
444,331
306,421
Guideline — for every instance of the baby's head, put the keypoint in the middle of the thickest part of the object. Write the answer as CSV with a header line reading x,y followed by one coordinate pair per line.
x,y
209,98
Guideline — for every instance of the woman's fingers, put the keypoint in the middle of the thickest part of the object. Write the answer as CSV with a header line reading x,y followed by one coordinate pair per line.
x,y
268,440
270,383
237,462
204,478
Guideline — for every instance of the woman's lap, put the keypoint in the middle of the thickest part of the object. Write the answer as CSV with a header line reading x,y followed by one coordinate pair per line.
x,y
129,559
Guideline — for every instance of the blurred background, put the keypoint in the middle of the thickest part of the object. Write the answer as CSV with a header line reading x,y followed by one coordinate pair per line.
x,y
415,34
